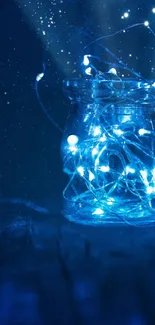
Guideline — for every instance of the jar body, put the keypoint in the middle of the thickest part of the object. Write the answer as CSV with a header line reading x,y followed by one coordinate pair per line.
x,y
108,151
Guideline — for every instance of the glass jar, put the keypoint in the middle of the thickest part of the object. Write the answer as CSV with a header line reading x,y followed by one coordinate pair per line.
x,y
108,152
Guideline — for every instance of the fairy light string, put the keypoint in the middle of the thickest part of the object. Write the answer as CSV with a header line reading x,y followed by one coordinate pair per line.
x,y
110,159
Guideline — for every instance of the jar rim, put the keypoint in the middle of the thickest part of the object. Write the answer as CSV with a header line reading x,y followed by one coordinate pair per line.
x,y
132,90
92,81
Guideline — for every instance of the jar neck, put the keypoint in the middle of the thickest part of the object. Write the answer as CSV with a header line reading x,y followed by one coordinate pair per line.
x,y
92,91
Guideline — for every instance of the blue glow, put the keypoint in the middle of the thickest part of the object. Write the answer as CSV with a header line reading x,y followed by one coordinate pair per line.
x,y
108,150
112,170
112,178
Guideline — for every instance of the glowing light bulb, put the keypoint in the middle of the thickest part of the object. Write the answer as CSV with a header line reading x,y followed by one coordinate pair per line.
x,y
91,176
39,76
97,131
85,60
98,211
153,10
88,71
143,131
128,170
80,169
146,23
72,139
73,149
104,169
126,15
113,71
94,151
150,190
103,138
118,132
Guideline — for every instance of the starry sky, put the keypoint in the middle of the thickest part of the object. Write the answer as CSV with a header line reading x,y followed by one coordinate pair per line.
x,y
50,36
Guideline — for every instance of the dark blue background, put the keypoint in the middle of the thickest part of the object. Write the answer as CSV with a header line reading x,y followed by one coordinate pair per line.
x,y
30,155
